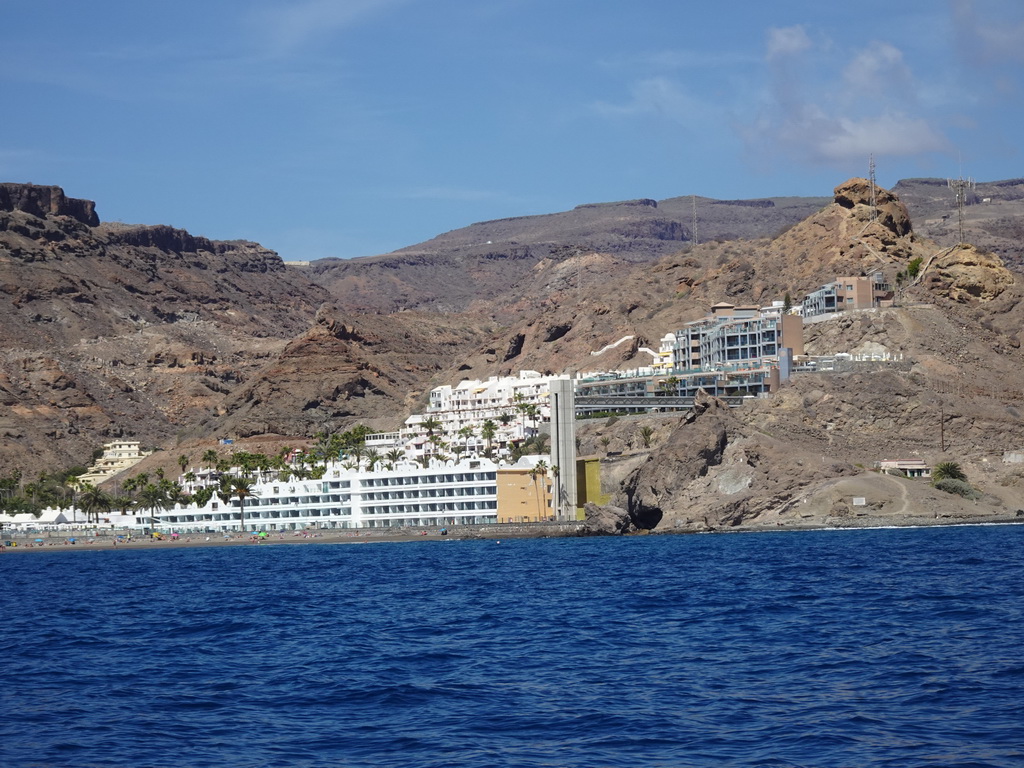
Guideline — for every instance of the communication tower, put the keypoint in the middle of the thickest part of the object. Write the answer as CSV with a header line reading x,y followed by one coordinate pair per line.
x,y
693,229
960,186
871,178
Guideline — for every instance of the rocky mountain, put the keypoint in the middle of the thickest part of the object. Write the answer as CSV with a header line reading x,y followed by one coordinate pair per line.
x,y
467,268
174,339
950,393
114,330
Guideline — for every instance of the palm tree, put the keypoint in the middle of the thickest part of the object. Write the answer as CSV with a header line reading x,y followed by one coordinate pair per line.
x,y
947,470
668,386
183,463
372,457
210,458
540,469
357,452
394,456
487,431
263,463
431,424
243,488
532,412
153,498
92,501
175,493
646,432
129,486
122,502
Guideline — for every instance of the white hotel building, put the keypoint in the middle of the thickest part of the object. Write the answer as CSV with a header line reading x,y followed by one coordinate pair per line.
x,y
445,493
469,404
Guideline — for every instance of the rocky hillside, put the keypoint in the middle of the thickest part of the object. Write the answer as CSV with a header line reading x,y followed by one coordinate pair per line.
x,y
468,268
174,339
951,393
114,330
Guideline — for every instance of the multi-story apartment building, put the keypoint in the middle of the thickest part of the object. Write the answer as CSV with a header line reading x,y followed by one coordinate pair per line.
x,y
117,457
845,293
455,415
442,493
734,351
733,336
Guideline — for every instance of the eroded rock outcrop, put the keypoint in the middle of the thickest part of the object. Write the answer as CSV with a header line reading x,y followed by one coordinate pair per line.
x,y
888,211
715,472
45,201
965,274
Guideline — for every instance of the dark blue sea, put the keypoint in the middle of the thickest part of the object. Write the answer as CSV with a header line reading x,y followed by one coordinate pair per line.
x,y
827,648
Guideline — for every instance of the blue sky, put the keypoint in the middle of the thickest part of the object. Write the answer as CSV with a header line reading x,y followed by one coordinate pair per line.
x,y
355,127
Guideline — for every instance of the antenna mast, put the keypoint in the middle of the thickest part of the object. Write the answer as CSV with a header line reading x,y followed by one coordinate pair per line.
x,y
874,197
960,186
693,229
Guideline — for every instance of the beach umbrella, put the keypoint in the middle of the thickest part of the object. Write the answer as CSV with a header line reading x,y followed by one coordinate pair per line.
x,y
38,539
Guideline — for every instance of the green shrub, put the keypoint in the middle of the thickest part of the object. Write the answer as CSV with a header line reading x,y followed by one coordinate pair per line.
x,y
958,487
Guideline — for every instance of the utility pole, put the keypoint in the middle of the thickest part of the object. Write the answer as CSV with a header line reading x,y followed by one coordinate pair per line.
x,y
942,425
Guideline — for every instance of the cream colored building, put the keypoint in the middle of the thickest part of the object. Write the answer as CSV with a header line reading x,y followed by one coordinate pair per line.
x,y
117,457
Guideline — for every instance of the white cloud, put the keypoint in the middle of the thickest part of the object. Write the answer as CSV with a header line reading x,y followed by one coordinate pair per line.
x,y
878,71
287,27
817,118
988,40
787,41
656,95
891,134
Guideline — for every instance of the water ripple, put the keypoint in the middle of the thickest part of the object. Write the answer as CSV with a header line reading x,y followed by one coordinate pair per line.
x,y
888,648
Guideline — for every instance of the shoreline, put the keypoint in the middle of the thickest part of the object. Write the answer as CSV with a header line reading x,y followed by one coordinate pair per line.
x,y
85,541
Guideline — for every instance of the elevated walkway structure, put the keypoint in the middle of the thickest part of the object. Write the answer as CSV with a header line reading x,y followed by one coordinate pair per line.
x,y
586,404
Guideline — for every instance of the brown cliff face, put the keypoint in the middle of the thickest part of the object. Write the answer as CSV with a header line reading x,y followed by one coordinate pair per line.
x,y
113,330
46,201
713,472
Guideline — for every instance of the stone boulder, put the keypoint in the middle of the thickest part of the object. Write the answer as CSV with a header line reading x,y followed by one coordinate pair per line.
x,y
966,274
606,520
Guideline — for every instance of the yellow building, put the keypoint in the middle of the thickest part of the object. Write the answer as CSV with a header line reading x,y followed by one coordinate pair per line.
x,y
117,457
524,492
588,484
